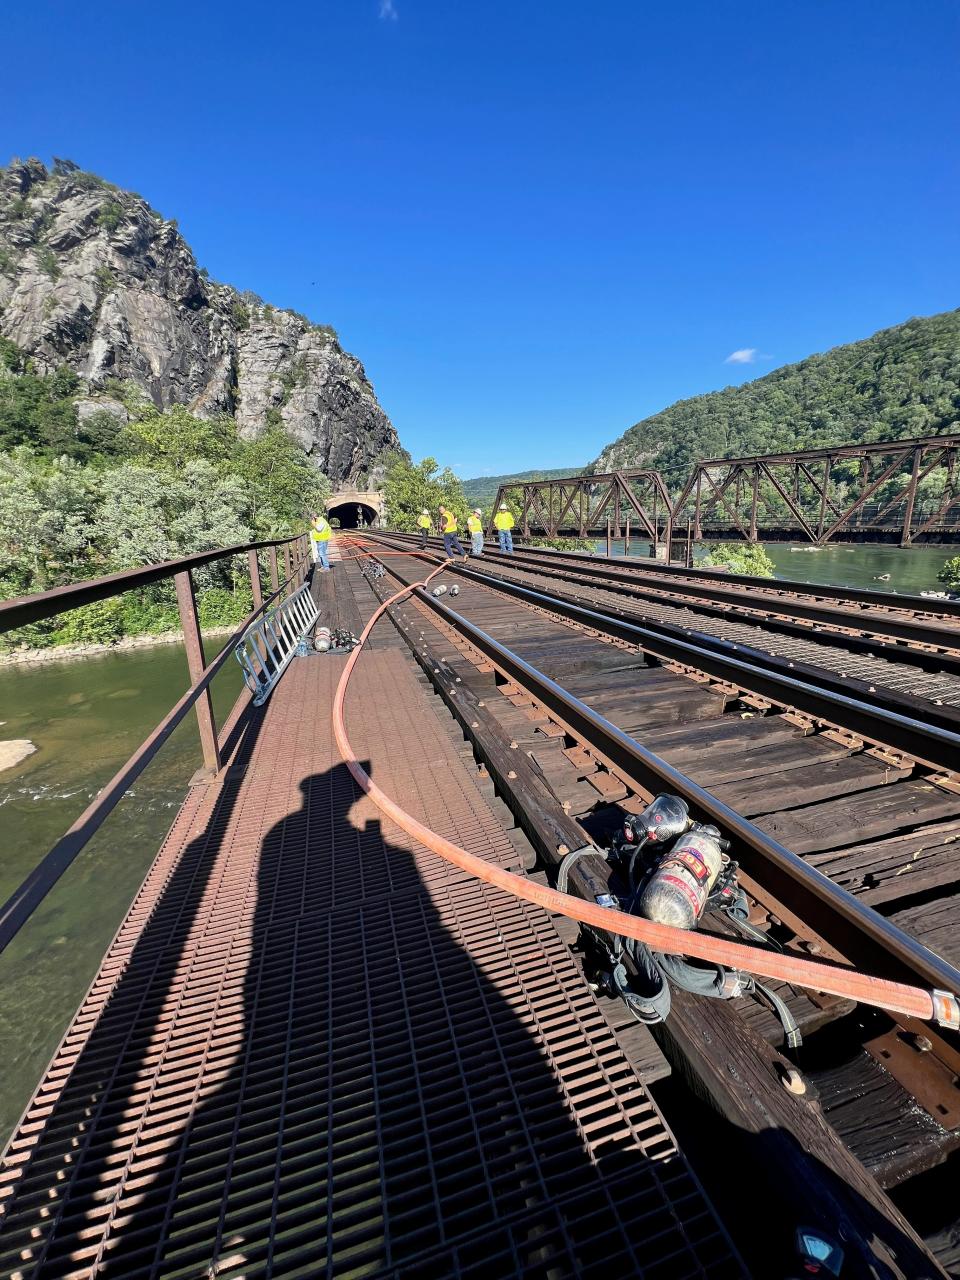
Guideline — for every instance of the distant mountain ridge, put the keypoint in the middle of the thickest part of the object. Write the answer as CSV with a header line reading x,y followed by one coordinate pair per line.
x,y
901,382
482,490
93,278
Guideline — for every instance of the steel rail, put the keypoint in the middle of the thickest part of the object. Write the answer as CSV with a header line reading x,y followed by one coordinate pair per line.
x,y
913,707
835,914
32,890
871,642
931,744
779,597
823,591
755,611
911,962
46,604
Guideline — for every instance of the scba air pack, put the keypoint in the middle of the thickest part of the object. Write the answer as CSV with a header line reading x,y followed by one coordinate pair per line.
x,y
676,871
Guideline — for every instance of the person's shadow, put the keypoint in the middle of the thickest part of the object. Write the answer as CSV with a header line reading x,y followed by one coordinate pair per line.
x,y
374,1101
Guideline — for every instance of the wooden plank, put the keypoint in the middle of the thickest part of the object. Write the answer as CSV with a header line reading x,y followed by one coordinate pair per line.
x,y
725,763
854,1093
847,820
816,1180
702,706
886,870
808,783
633,680
679,743
935,924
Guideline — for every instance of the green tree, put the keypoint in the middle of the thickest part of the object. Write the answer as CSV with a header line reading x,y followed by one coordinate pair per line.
x,y
175,438
950,573
741,557
409,487
284,485
45,521
39,411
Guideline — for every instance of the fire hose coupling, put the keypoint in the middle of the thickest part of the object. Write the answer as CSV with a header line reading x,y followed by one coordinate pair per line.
x,y
946,1009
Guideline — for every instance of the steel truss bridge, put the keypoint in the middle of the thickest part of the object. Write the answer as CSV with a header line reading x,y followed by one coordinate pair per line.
x,y
841,493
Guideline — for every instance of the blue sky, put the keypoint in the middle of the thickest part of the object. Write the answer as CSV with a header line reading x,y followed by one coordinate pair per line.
x,y
535,223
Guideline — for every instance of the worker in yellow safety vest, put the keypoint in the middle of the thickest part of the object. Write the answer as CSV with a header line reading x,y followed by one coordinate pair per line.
x,y
475,525
503,521
448,527
423,524
320,541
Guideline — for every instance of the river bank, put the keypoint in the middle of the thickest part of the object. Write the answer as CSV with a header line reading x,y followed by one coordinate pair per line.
x,y
28,657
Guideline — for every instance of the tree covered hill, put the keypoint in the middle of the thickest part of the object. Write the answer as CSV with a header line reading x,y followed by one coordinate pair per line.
x,y
481,490
900,382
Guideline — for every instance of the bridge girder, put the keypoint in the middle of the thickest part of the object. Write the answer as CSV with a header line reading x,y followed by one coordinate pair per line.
x,y
853,492
828,494
581,505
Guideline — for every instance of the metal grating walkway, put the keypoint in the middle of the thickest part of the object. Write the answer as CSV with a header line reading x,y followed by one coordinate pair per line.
x,y
315,1050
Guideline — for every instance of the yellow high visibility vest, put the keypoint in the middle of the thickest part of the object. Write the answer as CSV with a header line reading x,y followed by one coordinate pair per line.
x,y
474,524
320,530
449,522
503,520
423,522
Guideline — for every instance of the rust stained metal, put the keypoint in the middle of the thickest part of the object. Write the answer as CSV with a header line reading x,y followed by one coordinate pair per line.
x,y
33,889
314,1049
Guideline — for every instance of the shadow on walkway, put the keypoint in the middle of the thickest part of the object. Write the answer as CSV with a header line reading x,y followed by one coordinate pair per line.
x,y
371,1102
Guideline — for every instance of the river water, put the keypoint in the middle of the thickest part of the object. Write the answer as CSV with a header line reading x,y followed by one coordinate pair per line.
x,y
911,569
87,716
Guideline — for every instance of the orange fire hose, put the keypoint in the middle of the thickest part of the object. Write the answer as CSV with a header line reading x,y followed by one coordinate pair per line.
x,y
832,979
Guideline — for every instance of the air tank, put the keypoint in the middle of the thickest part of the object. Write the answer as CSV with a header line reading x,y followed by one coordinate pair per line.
x,y
679,887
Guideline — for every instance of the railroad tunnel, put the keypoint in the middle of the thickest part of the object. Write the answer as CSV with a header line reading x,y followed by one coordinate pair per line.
x,y
354,510
352,515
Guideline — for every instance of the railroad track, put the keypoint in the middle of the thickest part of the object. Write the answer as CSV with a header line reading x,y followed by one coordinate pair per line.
x,y
862,632
812,805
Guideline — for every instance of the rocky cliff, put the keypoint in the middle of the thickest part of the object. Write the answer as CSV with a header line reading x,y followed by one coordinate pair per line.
x,y
92,277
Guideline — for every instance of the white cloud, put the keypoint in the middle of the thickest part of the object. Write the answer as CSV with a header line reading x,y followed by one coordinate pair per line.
x,y
388,11
746,355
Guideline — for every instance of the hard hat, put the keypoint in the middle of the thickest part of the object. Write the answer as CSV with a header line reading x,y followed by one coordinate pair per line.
x,y
425,511
503,506
477,511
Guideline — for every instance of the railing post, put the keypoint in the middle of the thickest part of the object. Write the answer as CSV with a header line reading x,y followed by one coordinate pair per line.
x,y
187,603
626,538
688,560
609,536
274,571
287,570
255,589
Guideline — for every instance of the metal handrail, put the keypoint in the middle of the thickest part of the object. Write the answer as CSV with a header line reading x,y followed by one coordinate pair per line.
x,y
46,604
34,888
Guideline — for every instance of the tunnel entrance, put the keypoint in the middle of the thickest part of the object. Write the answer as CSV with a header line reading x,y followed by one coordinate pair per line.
x,y
352,515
